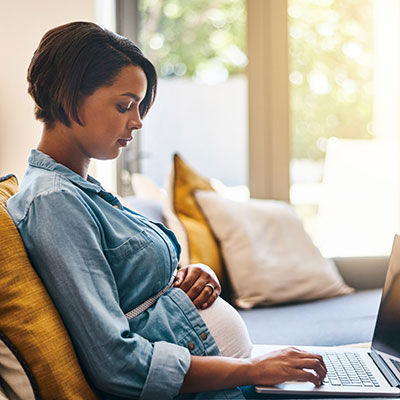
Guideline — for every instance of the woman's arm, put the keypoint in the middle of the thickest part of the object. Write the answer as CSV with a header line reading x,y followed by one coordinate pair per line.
x,y
216,373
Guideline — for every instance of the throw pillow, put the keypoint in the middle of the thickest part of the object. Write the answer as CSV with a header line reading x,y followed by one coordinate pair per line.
x,y
269,257
186,219
18,382
29,319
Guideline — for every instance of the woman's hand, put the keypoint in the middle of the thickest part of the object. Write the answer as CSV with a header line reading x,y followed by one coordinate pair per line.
x,y
200,283
288,364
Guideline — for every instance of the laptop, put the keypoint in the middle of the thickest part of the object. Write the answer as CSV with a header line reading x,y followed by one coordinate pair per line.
x,y
354,371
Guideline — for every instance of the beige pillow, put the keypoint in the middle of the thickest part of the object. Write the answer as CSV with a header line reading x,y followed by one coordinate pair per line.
x,y
145,188
16,384
269,257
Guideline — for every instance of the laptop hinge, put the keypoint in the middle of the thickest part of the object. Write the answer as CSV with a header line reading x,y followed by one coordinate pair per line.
x,y
387,373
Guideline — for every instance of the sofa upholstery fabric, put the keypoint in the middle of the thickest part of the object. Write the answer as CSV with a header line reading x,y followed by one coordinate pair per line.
x,y
29,319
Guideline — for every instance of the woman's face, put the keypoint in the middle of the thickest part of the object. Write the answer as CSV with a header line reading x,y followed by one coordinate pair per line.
x,y
110,115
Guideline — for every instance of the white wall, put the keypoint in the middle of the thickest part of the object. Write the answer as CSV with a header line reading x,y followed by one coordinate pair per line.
x,y
205,124
23,23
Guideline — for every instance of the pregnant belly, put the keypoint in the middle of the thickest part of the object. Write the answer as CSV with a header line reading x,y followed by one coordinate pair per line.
x,y
228,329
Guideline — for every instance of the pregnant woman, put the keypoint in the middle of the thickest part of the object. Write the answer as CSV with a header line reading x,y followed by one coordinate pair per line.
x,y
140,329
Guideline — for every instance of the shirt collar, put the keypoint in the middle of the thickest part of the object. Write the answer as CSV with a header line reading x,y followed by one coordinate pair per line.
x,y
40,160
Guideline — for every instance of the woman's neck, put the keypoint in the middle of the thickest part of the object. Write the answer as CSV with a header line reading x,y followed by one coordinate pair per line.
x,y
58,143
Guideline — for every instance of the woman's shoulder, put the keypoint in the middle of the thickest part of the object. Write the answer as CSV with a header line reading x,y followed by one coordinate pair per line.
x,y
45,186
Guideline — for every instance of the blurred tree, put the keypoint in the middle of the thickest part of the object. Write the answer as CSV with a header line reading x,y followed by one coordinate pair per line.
x,y
200,39
330,46
331,74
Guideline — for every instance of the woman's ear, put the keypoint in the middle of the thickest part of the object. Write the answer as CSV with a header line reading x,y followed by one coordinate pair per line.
x,y
79,111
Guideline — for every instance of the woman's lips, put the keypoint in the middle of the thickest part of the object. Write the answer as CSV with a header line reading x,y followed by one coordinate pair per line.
x,y
124,142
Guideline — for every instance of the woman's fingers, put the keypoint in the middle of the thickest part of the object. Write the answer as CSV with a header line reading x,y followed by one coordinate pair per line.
x,y
190,280
306,376
309,359
207,303
290,364
208,295
315,365
180,277
303,360
199,283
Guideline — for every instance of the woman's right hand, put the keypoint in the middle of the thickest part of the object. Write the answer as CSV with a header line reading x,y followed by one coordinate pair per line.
x,y
217,372
289,364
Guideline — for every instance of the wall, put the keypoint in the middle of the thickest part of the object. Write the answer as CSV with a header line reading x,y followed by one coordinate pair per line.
x,y
205,124
23,23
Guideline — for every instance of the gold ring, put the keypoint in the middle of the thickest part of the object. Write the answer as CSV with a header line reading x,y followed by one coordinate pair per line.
x,y
210,286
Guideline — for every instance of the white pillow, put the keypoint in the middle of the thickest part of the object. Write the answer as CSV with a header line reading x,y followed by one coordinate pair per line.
x,y
269,257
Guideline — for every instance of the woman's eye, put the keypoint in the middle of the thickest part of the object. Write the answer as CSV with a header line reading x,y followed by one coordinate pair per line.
x,y
122,109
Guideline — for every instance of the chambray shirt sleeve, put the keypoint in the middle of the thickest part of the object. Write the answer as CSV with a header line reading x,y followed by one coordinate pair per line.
x,y
63,240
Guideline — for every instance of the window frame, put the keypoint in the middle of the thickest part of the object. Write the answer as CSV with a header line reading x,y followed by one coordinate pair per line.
x,y
269,124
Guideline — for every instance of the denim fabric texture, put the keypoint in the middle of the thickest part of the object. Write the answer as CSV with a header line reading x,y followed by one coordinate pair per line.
x,y
98,260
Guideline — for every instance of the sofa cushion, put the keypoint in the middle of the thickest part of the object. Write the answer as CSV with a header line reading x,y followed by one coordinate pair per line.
x,y
202,244
29,319
336,321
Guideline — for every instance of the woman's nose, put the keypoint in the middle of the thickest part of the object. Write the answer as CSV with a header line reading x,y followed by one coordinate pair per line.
x,y
135,121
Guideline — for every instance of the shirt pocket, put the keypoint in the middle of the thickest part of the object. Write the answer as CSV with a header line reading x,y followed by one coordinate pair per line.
x,y
129,247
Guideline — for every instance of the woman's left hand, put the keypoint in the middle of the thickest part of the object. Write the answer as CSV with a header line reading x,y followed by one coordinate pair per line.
x,y
200,283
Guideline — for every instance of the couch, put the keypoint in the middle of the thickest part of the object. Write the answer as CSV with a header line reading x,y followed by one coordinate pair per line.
x,y
333,321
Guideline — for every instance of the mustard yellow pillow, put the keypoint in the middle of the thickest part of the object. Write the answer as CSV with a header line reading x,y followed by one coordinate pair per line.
x,y
201,242
29,319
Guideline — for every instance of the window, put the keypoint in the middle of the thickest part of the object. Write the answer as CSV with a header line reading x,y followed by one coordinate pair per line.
x,y
342,143
198,48
342,167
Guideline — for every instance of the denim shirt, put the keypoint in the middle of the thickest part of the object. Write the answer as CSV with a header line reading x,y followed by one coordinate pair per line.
x,y
98,260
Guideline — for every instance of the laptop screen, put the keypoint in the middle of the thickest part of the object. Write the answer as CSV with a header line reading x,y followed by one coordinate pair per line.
x,y
387,330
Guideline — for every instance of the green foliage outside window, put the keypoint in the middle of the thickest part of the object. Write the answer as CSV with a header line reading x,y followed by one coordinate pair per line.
x,y
331,89
330,54
194,38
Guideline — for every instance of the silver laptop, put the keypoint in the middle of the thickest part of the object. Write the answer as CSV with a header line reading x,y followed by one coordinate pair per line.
x,y
362,372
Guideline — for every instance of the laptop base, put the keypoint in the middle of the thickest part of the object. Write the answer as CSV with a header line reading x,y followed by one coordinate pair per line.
x,y
327,390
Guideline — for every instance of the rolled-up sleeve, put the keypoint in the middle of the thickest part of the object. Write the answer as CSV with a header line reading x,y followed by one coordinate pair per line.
x,y
63,238
162,371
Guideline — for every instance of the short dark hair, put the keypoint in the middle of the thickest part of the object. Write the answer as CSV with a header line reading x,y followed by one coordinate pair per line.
x,y
77,58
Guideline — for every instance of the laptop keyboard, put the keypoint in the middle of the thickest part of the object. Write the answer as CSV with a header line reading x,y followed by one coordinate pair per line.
x,y
396,364
348,369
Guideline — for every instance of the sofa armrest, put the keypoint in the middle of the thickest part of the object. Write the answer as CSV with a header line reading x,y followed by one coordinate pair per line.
x,y
363,272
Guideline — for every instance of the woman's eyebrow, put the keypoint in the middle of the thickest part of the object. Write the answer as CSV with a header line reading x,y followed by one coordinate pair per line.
x,y
132,95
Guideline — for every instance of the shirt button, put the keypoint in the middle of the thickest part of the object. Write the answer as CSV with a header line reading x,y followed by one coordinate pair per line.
x,y
204,336
191,346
